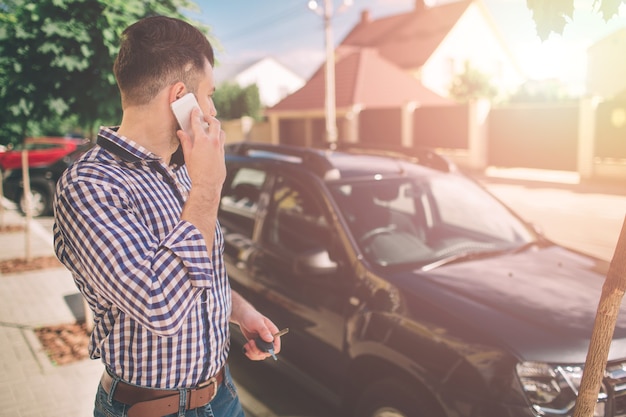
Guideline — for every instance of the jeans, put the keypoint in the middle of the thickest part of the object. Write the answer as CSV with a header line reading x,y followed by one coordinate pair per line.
x,y
225,404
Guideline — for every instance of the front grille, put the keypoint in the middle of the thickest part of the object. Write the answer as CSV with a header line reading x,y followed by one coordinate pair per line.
x,y
615,383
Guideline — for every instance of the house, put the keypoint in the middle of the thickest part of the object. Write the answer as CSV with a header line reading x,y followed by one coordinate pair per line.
x,y
434,43
364,80
606,88
274,80
399,63
606,65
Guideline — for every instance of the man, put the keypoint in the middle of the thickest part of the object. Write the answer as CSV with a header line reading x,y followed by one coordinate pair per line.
x,y
136,224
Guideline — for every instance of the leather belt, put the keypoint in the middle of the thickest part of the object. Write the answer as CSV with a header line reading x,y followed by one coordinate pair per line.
x,y
150,402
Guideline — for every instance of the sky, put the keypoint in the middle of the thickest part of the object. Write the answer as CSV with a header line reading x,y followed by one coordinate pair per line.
x,y
290,32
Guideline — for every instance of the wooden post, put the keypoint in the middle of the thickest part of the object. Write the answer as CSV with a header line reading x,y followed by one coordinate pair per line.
x,y
603,328
27,200
1,199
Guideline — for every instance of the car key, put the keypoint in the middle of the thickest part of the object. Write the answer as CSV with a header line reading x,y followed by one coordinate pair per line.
x,y
269,346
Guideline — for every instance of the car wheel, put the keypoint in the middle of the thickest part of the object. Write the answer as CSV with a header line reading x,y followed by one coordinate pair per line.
x,y
41,203
392,398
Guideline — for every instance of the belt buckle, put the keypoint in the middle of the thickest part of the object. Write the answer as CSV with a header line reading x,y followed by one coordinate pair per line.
x,y
212,380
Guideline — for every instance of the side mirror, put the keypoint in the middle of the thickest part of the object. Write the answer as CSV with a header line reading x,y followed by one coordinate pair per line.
x,y
314,262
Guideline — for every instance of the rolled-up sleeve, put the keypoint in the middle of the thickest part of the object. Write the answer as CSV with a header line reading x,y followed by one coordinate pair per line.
x,y
187,243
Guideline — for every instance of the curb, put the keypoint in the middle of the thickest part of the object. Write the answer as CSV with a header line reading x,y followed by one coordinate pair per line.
x,y
38,351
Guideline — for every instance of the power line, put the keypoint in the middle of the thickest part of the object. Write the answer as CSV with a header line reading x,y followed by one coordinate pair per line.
x,y
269,21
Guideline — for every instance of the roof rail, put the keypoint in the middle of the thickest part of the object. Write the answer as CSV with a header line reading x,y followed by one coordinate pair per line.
x,y
423,156
315,159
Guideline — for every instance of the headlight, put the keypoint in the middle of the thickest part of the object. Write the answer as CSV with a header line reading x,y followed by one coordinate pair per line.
x,y
552,389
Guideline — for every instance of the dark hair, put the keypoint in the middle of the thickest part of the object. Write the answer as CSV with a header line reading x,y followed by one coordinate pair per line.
x,y
158,51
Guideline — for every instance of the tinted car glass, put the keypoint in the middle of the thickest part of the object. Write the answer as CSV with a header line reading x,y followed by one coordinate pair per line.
x,y
240,200
421,221
296,221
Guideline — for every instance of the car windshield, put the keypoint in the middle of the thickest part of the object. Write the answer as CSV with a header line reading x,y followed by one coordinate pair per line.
x,y
427,220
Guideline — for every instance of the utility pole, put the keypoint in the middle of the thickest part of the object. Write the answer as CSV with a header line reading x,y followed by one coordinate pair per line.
x,y
330,102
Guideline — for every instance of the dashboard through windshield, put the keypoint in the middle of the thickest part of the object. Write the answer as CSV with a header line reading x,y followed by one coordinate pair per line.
x,y
421,221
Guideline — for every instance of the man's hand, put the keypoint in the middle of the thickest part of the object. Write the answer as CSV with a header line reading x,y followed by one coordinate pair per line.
x,y
204,158
204,152
254,324
263,331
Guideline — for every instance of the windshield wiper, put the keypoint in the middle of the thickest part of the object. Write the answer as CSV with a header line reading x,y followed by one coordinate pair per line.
x,y
525,246
464,257
541,242
473,255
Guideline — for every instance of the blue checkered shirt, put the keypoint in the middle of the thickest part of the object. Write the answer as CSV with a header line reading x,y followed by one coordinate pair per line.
x,y
161,303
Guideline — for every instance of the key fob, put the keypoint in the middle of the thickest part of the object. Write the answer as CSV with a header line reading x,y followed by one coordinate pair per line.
x,y
263,345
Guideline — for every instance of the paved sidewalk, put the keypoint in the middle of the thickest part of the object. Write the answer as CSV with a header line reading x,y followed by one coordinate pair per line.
x,y
30,385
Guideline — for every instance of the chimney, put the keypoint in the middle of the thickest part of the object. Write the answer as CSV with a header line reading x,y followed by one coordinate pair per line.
x,y
420,5
365,16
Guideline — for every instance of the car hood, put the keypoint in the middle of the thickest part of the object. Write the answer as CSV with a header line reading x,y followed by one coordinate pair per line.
x,y
541,303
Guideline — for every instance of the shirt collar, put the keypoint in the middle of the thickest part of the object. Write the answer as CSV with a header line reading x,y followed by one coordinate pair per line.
x,y
131,151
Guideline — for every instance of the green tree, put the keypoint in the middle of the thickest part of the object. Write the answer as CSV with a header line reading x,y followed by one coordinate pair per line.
x,y
472,84
552,15
56,60
234,102
541,92
224,97
251,101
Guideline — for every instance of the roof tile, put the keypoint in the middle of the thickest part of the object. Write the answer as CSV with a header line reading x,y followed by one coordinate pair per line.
x,y
362,77
419,32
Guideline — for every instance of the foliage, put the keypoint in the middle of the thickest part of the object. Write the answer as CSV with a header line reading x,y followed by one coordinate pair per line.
x,y
56,61
472,84
552,15
233,101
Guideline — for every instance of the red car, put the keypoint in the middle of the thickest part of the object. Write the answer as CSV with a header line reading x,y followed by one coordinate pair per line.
x,y
41,151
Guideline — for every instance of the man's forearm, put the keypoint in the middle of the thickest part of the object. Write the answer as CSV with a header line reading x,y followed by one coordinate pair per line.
x,y
240,308
201,211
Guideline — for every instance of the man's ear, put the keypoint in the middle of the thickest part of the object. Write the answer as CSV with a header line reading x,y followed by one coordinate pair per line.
x,y
177,91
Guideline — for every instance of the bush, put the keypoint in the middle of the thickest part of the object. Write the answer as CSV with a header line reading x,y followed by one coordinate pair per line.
x,y
233,102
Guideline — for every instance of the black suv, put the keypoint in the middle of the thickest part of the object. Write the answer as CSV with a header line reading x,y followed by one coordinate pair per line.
x,y
409,290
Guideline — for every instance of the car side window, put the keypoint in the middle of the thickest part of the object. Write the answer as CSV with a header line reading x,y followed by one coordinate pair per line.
x,y
240,200
296,221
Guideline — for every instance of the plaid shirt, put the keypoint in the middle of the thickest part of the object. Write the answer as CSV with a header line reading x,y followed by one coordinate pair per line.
x,y
161,303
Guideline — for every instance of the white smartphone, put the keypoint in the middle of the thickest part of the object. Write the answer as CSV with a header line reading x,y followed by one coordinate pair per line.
x,y
182,111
